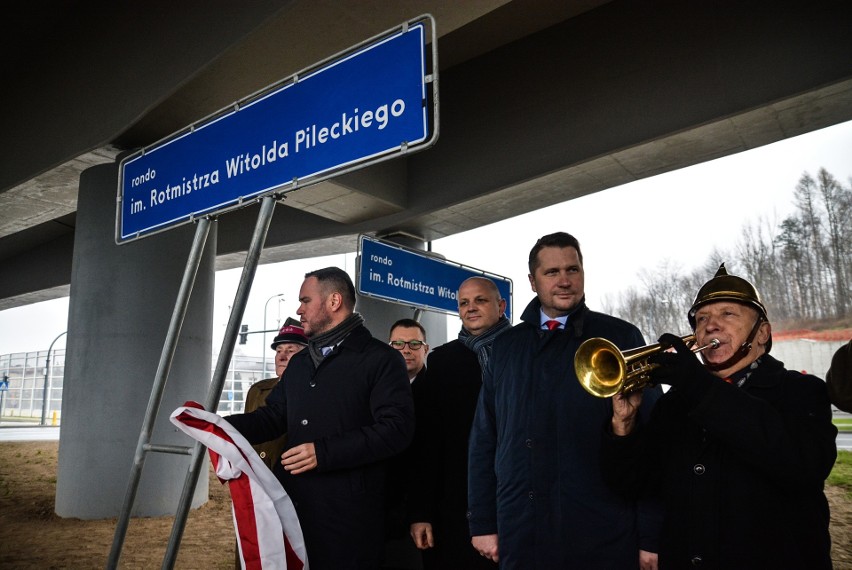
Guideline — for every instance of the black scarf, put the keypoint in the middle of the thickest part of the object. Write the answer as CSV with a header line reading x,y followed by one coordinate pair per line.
x,y
332,337
481,343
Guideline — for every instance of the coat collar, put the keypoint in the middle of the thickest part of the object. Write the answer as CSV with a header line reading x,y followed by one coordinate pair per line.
x,y
765,374
357,339
576,317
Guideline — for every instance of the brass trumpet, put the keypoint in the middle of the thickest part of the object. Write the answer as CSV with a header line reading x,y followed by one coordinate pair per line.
x,y
604,371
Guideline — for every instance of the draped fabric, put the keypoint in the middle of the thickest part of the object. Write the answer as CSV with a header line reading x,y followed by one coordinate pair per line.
x,y
268,531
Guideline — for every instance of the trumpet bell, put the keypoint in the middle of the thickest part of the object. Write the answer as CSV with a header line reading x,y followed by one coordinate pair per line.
x,y
604,370
600,367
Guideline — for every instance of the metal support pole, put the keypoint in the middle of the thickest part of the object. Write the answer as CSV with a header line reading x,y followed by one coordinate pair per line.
x,y
202,230
44,398
263,362
264,218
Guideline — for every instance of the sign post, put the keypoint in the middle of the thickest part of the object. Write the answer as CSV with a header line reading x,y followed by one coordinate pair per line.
x,y
358,108
400,275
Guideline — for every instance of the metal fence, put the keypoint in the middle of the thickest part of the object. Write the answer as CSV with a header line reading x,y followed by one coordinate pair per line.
x,y
22,394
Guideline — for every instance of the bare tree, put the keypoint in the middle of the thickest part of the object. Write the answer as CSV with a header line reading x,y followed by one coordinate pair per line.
x,y
630,305
664,289
792,258
805,198
802,266
831,192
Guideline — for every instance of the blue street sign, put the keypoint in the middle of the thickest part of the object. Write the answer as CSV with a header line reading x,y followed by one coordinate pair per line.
x,y
394,273
365,106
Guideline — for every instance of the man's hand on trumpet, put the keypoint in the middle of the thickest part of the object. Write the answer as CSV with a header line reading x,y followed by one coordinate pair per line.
x,y
675,365
624,410
677,368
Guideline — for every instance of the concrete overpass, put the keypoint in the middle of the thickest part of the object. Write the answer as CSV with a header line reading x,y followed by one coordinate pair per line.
x,y
542,101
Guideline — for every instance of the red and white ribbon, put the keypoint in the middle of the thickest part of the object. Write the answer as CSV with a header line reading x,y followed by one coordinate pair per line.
x,y
268,530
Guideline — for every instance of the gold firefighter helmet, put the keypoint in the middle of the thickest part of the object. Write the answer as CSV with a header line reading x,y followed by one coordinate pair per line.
x,y
724,287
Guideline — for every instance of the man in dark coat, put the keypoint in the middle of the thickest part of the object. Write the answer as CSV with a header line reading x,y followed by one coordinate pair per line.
x,y
536,496
445,402
409,338
738,449
345,404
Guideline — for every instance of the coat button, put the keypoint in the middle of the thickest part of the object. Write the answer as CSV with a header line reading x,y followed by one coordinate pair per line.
x,y
696,561
263,455
531,495
698,469
304,422
529,443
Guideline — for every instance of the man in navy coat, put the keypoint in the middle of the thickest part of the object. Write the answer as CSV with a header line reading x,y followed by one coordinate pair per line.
x,y
537,499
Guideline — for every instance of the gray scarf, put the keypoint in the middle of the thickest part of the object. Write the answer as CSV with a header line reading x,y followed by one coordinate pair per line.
x,y
332,337
481,343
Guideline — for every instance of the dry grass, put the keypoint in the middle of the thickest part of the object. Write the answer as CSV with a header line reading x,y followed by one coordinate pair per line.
x,y
33,537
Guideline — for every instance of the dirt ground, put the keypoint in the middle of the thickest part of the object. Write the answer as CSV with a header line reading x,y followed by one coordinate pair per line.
x,y
33,537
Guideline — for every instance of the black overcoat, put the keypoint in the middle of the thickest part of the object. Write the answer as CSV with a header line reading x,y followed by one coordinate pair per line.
x,y
534,473
357,409
740,470
445,402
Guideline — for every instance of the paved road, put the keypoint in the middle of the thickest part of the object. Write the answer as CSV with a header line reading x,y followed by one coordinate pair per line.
x,y
29,433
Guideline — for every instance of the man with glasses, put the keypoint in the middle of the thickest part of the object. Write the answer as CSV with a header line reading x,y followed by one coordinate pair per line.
x,y
444,404
409,338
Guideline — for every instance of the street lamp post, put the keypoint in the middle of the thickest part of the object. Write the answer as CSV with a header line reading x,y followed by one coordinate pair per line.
x,y
44,402
265,306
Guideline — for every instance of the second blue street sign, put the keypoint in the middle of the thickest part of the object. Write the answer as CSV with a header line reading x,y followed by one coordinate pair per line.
x,y
394,273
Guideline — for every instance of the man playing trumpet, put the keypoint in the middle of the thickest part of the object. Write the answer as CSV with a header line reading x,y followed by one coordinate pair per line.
x,y
737,450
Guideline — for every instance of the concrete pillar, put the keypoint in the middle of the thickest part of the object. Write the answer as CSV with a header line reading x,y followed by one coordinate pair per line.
x,y
379,315
122,298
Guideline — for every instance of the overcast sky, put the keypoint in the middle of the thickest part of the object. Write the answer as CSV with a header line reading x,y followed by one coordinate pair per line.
x,y
678,217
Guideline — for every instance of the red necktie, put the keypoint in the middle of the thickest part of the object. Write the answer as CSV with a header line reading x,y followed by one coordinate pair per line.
x,y
552,324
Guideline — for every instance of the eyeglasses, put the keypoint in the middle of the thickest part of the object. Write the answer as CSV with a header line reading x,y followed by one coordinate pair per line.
x,y
412,344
